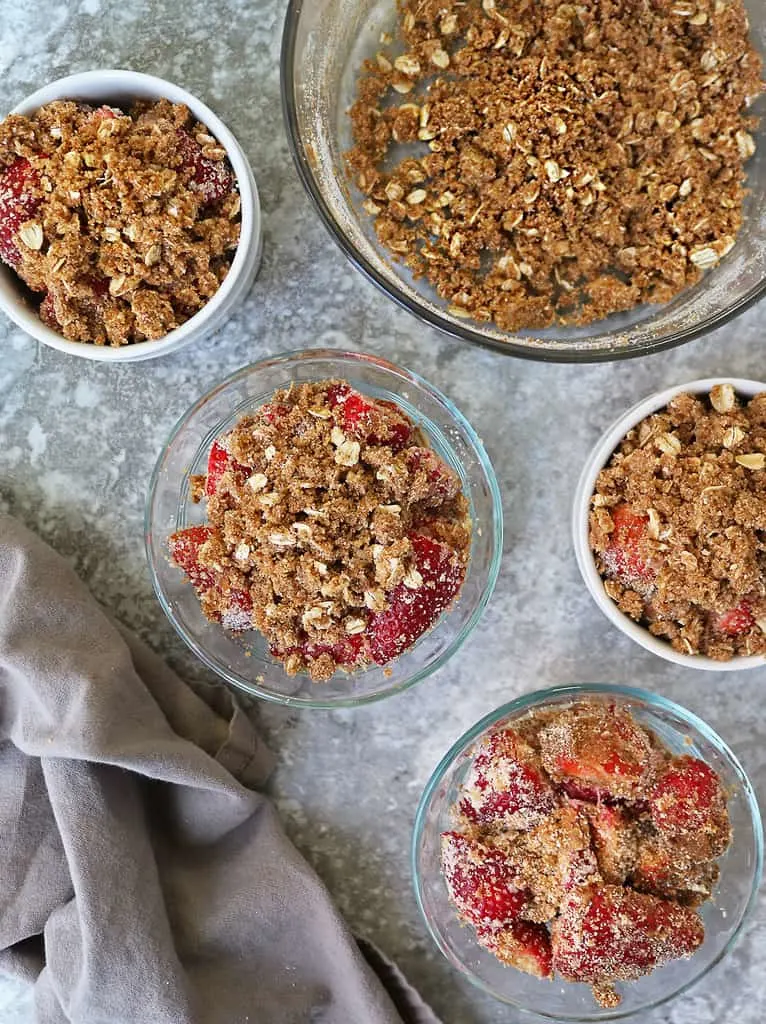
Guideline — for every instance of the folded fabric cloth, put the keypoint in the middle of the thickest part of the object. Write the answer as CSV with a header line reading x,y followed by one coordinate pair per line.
x,y
143,880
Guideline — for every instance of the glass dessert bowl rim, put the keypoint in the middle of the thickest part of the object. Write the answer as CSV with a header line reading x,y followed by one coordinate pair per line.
x,y
562,695
342,358
584,350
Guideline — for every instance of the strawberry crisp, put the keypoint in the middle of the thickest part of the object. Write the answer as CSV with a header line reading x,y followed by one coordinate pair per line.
x,y
677,524
121,224
582,846
332,529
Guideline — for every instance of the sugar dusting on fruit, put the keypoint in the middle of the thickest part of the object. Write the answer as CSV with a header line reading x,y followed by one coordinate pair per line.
x,y
581,847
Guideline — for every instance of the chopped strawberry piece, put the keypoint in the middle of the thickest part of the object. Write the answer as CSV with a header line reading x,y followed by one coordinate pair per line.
x,y
218,462
614,840
184,549
481,881
411,612
506,784
378,422
18,203
623,558
736,622
600,746
661,871
238,616
522,945
47,313
105,113
606,932
688,806
443,485
211,178
274,413
346,653
587,794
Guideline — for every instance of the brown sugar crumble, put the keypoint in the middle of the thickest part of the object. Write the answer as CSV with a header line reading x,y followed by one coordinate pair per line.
x,y
332,529
123,224
565,161
678,524
581,846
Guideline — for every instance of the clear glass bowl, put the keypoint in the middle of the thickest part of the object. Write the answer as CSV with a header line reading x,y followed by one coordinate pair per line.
x,y
724,916
324,45
243,659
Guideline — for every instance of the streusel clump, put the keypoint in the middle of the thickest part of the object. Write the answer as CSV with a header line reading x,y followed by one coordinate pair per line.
x,y
123,224
678,524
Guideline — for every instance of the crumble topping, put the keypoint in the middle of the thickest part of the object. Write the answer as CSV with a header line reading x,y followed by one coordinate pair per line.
x,y
125,223
332,529
693,478
565,161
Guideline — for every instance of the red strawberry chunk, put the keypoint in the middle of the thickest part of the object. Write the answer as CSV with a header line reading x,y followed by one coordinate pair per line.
x,y
736,622
47,313
346,653
600,746
506,784
218,462
623,558
614,840
378,422
18,203
482,883
211,178
238,616
522,945
412,612
442,484
662,870
607,932
688,806
184,549
274,413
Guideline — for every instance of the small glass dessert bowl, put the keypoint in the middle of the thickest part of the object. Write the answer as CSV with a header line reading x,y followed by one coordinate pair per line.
x,y
537,771
666,524
363,587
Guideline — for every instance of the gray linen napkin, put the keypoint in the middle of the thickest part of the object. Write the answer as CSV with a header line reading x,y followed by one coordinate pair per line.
x,y
142,878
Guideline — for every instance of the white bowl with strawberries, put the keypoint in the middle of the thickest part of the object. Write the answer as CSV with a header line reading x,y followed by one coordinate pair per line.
x,y
668,519
130,223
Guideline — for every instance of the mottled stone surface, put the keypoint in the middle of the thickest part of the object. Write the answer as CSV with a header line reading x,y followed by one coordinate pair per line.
x,y
78,441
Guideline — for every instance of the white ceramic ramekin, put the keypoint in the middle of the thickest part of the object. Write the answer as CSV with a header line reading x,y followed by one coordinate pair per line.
x,y
120,88
596,462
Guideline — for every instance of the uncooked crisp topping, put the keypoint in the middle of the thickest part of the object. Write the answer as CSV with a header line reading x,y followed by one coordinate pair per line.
x,y
336,562
135,217
677,527
573,160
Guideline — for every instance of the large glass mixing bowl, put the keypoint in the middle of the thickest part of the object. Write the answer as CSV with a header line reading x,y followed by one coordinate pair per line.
x,y
324,45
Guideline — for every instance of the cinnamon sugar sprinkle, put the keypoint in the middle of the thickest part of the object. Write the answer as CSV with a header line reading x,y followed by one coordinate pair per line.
x,y
695,473
316,524
125,244
563,161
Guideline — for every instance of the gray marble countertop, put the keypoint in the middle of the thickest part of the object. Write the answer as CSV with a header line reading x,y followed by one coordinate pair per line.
x,y
78,441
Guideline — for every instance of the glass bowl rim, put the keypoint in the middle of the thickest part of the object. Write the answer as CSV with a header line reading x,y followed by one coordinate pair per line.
x,y
344,357
575,690
554,352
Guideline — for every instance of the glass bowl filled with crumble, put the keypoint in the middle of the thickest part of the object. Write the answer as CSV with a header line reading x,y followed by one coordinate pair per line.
x,y
324,529
129,217
556,181
669,521
587,852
